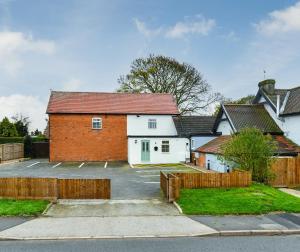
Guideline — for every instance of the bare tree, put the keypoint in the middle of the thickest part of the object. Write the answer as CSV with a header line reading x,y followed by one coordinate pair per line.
x,y
160,74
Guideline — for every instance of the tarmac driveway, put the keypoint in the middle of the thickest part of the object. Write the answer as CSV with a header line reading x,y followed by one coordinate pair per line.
x,y
126,182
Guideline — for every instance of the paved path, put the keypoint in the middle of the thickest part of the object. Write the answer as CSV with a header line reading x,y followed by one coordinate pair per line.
x,y
281,221
293,192
107,227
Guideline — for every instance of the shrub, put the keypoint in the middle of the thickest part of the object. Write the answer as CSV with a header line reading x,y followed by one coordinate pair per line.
x,y
251,150
4,140
27,146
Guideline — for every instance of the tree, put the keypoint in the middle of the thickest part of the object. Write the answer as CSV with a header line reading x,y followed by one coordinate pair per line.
x,y
252,151
21,123
36,133
7,129
160,74
244,100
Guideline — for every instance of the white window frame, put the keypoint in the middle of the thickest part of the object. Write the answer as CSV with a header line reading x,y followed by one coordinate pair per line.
x,y
152,123
97,120
164,145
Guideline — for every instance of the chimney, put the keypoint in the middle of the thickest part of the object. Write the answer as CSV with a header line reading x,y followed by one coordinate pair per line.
x,y
267,85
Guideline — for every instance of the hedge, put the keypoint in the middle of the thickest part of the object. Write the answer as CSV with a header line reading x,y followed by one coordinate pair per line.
x,y
4,140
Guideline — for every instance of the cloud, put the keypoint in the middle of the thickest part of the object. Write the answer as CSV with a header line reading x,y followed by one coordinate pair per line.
x,y
191,25
281,21
198,25
72,85
231,36
14,45
30,106
143,29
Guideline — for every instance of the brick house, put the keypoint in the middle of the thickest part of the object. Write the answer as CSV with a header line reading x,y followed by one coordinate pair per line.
x,y
138,128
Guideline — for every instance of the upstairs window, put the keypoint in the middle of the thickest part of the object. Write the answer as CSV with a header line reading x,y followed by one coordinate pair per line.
x,y
165,146
152,124
96,123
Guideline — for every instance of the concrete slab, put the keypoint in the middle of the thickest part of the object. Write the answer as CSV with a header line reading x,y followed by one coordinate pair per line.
x,y
231,223
109,208
8,222
108,227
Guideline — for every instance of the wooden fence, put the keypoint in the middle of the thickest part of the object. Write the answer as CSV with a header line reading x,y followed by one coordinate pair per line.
x,y
11,151
171,183
54,188
286,171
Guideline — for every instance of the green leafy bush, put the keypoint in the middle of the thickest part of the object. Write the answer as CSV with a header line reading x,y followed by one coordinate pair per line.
x,y
252,151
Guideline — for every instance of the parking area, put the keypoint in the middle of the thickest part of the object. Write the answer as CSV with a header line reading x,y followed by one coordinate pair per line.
x,y
142,182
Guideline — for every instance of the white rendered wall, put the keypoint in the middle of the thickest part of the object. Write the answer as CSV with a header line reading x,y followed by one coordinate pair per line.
x,y
200,140
215,164
290,125
179,150
224,127
138,125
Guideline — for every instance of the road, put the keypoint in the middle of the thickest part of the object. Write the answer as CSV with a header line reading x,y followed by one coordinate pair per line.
x,y
215,244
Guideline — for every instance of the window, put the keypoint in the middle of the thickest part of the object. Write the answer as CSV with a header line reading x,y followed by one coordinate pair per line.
x,y
193,143
165,147
152,124
97,123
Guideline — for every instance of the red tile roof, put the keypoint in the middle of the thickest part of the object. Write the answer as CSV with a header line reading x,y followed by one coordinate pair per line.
x,y
214,145
285,146
111,103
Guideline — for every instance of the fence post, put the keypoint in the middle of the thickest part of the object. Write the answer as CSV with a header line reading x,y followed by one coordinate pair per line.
x,y
173,187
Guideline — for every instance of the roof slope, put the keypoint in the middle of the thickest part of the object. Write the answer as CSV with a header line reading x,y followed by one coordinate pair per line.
x,y
194,125
214,146
285,146
111,103
292,105
249,116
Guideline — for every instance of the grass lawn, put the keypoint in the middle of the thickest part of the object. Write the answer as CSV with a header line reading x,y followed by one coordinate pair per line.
x,y
256,199
175,165
9,207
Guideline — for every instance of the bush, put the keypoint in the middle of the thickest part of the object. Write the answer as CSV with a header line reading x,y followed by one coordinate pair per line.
x,y
4,140
252,151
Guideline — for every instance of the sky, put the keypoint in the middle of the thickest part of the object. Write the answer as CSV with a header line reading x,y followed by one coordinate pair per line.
x,y
79,45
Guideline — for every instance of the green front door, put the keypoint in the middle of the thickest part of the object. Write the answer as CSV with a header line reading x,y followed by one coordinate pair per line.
x,y
145,150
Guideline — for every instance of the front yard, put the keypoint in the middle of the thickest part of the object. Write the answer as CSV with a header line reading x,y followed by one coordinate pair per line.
x,y
9,207
256,199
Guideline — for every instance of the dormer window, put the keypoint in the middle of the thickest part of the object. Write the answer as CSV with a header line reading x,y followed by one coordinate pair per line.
x,y
151,123
97,123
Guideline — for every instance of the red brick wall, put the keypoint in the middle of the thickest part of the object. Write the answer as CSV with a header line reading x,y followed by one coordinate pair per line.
x,y
73,139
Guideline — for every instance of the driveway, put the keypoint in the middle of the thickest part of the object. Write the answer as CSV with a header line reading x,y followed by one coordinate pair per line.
x,y
127,182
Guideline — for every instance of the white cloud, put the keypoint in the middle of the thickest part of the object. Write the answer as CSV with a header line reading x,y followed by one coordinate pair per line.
x,y
30,106
199,25
143,29
13,45
281,21
72,85
191,25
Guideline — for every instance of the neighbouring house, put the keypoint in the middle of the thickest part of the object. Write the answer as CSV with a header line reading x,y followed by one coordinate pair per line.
x,y
283,105
138,128
230,120
199,129
209,152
